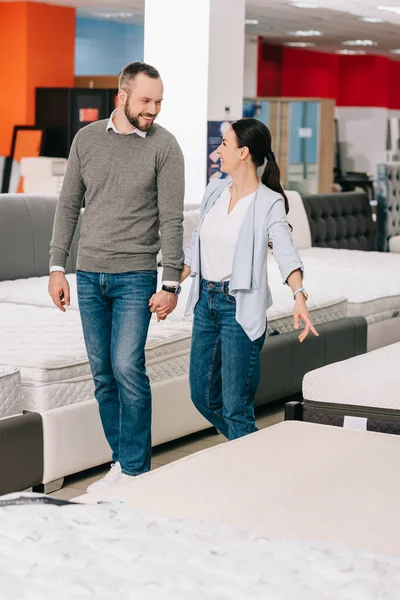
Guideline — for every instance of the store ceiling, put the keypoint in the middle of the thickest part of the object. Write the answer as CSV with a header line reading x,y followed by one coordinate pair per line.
x,y
338,21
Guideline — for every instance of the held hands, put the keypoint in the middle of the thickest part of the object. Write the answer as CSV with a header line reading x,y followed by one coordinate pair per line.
x,y
301,312
163,303
59,290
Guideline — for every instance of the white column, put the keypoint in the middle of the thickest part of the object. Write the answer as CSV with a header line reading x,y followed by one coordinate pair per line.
x,y
250,68
198,47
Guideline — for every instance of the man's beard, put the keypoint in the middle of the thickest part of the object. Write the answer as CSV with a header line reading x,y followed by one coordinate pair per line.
x,y
134,119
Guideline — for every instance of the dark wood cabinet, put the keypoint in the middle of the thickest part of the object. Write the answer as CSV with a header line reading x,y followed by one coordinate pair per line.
x,y
61,112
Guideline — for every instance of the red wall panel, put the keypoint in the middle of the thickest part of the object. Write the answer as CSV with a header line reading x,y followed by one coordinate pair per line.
x,y
365,80
309,74
269,70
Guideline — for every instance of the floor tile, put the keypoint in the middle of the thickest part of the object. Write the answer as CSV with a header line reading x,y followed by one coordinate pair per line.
x,y
164,457
199,444
66,493
82,480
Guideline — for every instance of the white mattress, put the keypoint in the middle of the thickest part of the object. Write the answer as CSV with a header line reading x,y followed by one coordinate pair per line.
x,y
370,280
34,291
290,481
325,307
48,347
110,553
10,392
371,380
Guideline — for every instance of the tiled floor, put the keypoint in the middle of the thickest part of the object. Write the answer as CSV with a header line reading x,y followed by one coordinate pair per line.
x,y
75,485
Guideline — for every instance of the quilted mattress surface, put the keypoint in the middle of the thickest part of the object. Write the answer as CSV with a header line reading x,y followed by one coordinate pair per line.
x,y
369,280
325,306
362,392
371,379
10,392
110,553
48,347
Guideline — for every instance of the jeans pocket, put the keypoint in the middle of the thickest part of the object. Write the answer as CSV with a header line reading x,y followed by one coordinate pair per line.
x,y
231,299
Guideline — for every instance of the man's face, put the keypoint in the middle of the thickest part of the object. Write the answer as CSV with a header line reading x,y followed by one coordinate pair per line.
x,y
143,101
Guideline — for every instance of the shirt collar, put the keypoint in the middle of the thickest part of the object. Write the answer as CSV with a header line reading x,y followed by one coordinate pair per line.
x,y
111,125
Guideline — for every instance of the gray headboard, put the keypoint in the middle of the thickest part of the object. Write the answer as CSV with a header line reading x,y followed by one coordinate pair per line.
x,y
26,225
342,220
388,210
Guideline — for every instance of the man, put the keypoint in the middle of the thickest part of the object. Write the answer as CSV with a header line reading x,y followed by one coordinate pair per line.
x,y
131,174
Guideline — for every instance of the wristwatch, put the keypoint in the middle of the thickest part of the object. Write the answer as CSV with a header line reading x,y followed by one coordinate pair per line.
x,y
172,290
302,290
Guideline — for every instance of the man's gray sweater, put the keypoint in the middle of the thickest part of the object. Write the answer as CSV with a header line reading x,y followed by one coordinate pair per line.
x,y
133,189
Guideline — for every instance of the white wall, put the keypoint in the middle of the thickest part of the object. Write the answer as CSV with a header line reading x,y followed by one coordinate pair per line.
x,y
250,68
198,47
226,59
362,136
176,41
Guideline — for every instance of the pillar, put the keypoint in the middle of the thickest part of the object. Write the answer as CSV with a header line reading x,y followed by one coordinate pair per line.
x,y
198,47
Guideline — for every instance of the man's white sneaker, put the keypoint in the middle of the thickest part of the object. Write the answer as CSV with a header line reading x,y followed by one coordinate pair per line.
x,y
125,478
113,476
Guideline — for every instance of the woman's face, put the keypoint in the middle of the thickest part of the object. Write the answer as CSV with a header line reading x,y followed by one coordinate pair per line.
x,y
229,153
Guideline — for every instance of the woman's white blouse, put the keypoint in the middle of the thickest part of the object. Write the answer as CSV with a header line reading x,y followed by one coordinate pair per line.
x,y
219,235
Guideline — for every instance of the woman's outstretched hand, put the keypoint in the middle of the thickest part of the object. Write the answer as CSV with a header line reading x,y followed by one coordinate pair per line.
x,y
301,312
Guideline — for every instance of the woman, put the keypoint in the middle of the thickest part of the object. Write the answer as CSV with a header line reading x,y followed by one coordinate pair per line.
x,y
227,259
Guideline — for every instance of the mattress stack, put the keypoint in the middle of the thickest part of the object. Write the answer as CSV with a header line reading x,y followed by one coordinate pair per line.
x,y
359,393
10,392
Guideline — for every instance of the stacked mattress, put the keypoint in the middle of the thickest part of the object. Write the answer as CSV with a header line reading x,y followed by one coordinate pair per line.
x,y
10,392
48,346
362,392
369,280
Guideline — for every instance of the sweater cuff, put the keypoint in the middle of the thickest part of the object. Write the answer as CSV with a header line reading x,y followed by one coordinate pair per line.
x,y
171,274
58,258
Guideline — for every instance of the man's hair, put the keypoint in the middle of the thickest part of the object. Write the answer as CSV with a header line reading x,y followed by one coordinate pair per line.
x,y
131,71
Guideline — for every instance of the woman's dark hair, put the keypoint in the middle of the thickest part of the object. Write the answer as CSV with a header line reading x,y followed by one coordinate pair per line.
x,y
257,138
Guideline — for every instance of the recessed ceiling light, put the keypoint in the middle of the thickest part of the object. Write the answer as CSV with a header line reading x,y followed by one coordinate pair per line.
x,y
396,51
304,5
371,20
393,9
251,22
309,33
115,15
351,52
300,44
359,43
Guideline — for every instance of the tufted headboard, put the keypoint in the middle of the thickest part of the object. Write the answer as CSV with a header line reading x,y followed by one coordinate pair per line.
x,y
342,220
26,226
388,210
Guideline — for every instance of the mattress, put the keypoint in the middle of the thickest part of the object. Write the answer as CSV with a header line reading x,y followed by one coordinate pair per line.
x,y
34,291
291,481
48,347
369,280
325,307
10,392
46,551
362,392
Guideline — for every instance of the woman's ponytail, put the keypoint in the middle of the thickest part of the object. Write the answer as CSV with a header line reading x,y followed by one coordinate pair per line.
x,y
272,178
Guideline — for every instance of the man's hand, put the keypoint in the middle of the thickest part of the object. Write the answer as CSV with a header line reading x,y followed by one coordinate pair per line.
x,y
163,303
59,290
301,312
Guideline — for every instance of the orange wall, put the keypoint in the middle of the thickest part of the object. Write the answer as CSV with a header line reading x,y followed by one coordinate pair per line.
x,y
37,49
13,70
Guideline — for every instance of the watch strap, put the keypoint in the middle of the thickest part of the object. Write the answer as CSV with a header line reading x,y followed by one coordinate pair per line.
x,y
300,289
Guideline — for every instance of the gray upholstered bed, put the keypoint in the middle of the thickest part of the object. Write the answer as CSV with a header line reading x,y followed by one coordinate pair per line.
x,y
73,437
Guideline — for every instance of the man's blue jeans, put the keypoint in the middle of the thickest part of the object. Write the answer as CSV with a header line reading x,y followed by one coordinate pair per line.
x,y
224,363
115,320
